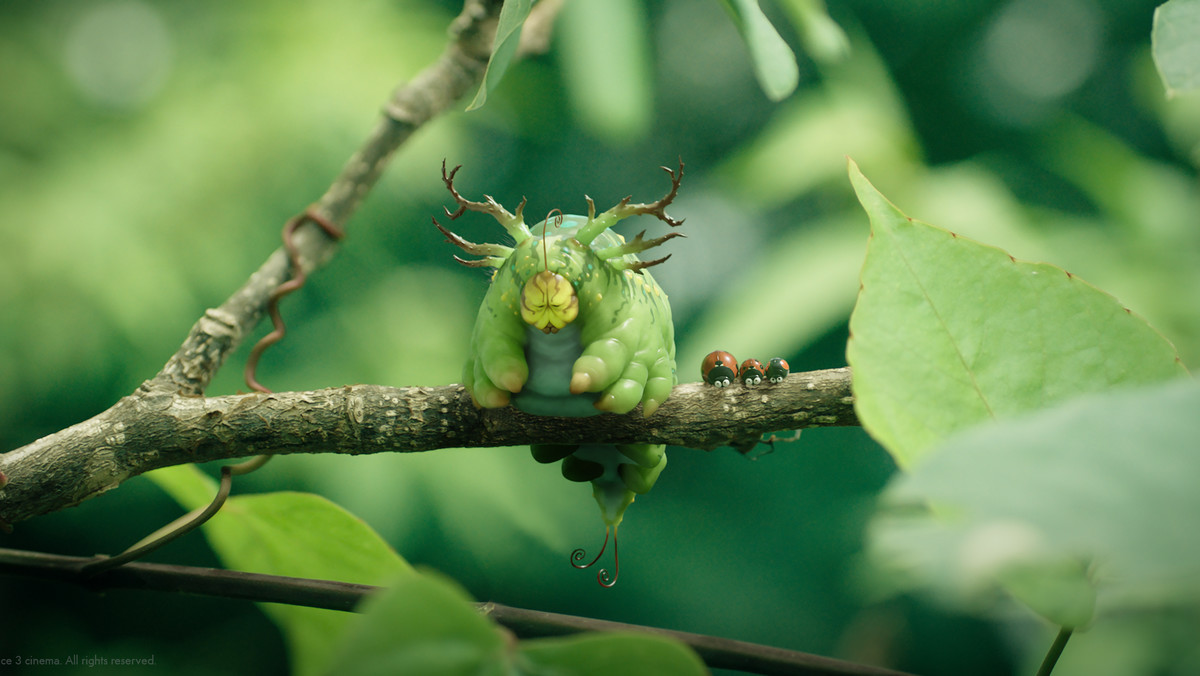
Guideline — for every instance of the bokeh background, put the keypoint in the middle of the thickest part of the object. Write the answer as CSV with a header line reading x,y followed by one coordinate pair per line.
x,y
150,151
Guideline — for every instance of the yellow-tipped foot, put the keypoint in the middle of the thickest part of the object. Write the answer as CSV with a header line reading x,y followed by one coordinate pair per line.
x,y
511,382
580,383
649,407
493,399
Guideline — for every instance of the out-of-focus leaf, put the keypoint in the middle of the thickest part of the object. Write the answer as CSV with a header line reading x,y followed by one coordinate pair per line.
x,y
948,333
424,624
608,80
508,36
1104,482
604,654
774,62
855,111
822,38
293,534
1176,44
421,625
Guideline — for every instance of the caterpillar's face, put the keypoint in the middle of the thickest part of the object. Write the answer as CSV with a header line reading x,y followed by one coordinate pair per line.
x,y
549,269
548,302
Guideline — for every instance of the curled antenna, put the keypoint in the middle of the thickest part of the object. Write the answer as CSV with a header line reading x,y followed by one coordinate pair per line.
x,y
558,220
602,577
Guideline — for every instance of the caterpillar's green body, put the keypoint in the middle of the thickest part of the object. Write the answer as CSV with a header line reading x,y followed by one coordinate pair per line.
x,y
573,325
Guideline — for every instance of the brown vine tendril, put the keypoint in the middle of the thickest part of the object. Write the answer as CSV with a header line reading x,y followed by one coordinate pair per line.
x,y
198,517
299,277
177,528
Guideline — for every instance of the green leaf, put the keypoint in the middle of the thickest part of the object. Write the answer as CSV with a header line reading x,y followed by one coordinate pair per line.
x,y
822,38
1097,493
774,62
948,333
425,624
421,625
508,36
1176,41
293,534
604,654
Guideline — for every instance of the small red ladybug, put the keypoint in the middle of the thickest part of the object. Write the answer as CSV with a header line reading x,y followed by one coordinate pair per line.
x,y
719,368
751,372
777,370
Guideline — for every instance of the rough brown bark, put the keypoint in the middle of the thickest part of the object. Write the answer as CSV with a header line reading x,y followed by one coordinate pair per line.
x,y
152,429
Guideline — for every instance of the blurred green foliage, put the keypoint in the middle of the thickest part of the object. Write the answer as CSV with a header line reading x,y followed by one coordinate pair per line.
x,y
151,151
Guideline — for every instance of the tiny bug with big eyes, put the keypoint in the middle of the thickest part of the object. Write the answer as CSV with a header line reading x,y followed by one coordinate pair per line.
x,y
751,372
719,368
777,370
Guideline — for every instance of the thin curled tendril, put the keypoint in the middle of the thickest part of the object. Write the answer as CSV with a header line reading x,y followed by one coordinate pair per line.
x,y
603,577
558,221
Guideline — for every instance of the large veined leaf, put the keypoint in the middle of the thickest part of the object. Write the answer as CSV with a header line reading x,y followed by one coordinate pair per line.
x,y
1176,41
425,625
948,333
774,62
1099,492
293,534
504,48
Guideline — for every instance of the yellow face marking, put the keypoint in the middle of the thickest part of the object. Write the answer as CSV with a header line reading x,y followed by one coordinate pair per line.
x,y
548,302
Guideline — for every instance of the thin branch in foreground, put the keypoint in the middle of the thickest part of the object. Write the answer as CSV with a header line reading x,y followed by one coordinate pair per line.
x,y
716,652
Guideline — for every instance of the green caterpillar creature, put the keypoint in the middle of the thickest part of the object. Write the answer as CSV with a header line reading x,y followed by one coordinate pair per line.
x,y
574,325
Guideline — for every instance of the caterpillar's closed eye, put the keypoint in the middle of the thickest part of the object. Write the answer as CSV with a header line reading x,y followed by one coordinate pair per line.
x,y
719,368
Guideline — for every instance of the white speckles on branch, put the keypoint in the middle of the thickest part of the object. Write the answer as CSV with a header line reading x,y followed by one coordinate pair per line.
x,y
355,406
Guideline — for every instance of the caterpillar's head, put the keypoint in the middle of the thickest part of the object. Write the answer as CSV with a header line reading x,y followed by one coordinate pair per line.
x,y
554,269
548,302
548,298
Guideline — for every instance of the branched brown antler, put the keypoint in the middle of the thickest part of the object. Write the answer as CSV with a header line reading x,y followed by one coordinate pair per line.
x,y
658,209
513,223
637,245
494,254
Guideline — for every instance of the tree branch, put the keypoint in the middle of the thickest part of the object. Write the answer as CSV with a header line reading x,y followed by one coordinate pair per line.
x,y
156,429
716,652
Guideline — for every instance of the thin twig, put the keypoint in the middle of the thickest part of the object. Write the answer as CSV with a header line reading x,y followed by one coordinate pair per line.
x,y
1055,651
717,652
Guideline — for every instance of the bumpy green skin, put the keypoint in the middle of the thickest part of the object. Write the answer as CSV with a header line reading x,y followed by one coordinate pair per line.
x,y
620,351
